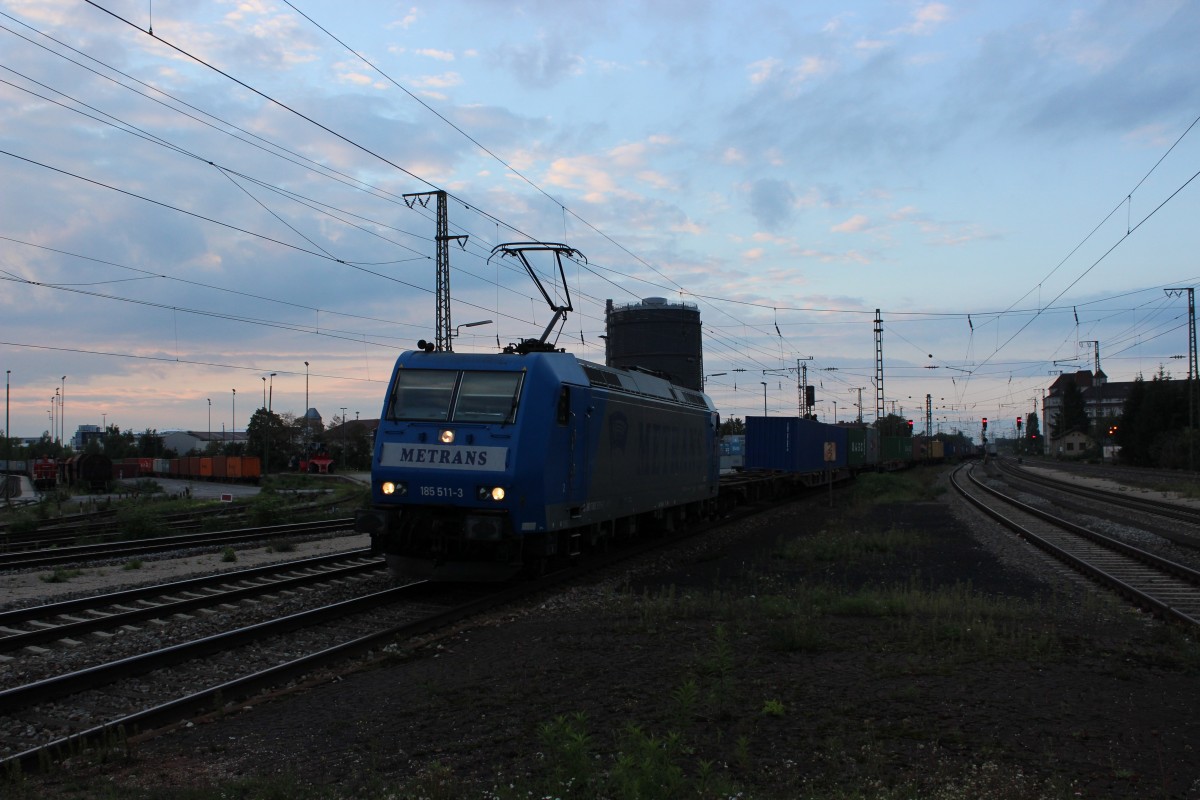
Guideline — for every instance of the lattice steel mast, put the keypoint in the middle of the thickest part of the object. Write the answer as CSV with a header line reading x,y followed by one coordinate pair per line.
x,y
878,367
442,328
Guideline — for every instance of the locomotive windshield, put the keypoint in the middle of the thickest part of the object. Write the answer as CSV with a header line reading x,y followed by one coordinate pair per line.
x,y
427,395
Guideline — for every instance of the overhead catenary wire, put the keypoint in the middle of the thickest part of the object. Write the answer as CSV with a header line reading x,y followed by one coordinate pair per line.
x,y
780,335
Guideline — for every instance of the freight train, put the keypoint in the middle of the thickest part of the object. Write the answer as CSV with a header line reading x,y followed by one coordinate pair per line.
x,y
46,473
96,471
486,466
489,466
230,469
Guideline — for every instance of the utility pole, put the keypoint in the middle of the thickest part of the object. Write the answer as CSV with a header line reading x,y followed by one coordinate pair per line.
x,y
858,389
1192,371
802,386
442,340
801,370
878,369
7,431
345,460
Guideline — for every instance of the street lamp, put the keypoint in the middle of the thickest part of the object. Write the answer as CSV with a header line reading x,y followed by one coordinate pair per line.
x,y
233,421
210,421
54,424
264,405
454,334
306,389
7,431
345,460
62,416
704,380
764,385
271,392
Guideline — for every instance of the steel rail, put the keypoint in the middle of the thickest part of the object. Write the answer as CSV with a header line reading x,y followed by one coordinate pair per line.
x,y
172,605
18,615
60,686
1139,594
133,547
1163,508
214,698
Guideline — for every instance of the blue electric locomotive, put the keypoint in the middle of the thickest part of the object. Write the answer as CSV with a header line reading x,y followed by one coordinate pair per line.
x,y
487,465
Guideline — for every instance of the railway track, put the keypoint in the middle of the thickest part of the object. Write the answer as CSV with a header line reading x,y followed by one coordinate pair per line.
x,y
134,682
1169,589
1126,499
69,620
103,525
74,554
140,685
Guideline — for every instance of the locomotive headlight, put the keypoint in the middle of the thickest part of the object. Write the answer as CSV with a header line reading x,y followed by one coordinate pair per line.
x,y
490,493
447,437
390,488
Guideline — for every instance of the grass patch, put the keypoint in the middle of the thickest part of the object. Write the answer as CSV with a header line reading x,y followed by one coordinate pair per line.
x,y
952,624
60,575
24,523
907,486
132,564
268,508
846,545
1189,490
139,521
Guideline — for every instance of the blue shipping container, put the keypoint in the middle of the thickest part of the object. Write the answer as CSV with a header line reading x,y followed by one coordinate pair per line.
x,y
792,444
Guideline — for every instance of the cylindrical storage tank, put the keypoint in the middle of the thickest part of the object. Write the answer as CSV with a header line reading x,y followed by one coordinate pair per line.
x,y
657,335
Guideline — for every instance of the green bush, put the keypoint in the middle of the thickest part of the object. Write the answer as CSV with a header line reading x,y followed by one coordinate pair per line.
x,y
138,521
24,523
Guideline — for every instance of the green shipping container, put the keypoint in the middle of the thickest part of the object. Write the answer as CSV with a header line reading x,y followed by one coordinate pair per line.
x,y
895,448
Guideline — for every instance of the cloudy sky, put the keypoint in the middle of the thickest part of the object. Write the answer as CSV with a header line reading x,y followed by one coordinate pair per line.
x,y
187,212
